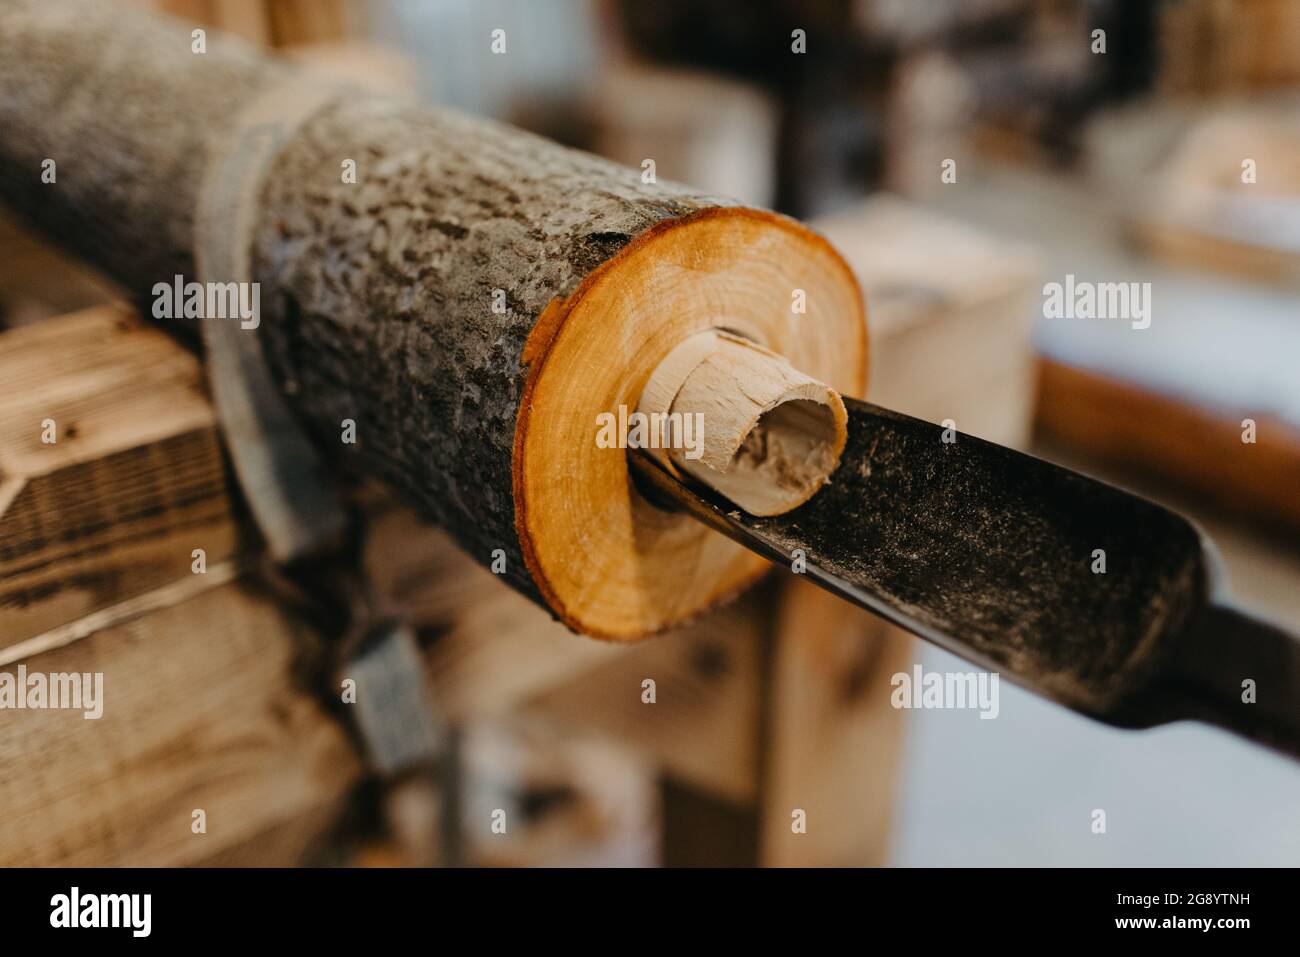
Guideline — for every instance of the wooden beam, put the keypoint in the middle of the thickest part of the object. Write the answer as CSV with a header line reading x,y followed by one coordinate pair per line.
x,y
832,742
111,471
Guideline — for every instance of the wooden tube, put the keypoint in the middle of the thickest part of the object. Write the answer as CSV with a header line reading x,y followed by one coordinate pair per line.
x,y
744,422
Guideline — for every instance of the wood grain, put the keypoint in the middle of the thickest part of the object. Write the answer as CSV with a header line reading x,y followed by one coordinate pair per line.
x,y
132,484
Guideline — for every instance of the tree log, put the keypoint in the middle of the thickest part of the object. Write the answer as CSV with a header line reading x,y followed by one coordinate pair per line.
x,y
473,301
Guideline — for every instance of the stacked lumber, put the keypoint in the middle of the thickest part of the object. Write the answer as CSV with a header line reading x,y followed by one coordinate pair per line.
x,y
112,474
99,572
204,751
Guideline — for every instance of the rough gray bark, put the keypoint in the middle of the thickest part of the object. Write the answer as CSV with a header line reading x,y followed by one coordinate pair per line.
x,y
376,296
126,111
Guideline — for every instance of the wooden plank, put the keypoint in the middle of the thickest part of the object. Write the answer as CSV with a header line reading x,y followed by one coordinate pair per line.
x,y
704,831
306,839
247,19
37,281
1213,46
133,482
296,22
893,247
199,712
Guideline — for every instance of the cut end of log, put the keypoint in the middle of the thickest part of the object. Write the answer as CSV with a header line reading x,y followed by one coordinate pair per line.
x,y
743,421
608,562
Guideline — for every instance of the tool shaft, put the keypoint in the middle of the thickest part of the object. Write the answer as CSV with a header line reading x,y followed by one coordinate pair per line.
x,y
1077,590
1242,673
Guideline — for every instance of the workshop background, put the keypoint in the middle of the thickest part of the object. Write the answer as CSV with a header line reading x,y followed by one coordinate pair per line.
x,y
961,154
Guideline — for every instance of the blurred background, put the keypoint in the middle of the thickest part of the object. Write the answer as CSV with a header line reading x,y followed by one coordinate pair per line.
x,y
961,154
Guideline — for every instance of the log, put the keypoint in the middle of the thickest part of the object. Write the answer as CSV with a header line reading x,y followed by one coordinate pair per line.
x,y
473,302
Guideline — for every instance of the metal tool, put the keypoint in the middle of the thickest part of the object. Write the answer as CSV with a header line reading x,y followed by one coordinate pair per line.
x,y
997,556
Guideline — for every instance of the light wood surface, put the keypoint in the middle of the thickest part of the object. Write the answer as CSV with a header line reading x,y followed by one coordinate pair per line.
x,y
952,307
834,744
